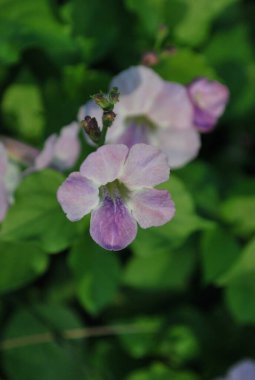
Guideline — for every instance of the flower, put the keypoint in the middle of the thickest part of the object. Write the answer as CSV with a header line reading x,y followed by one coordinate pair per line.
x,y
116,183
151,111
60,152
10,177
209,99
245,370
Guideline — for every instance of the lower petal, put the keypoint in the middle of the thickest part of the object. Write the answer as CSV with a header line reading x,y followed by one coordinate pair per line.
x,y
152,207
44,159
77,196
112,226
181,146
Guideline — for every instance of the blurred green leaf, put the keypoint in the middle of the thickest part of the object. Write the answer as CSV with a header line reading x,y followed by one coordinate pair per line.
x,y
220,252
30,24
174,233
40,354
195,25
183,66
240,292
96,273
20,263
239,212
23,111
159,371
37,216
164,270
143,343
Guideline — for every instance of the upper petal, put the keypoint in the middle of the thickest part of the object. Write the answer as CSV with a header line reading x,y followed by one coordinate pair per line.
x,y
145,166
3,160
67,147
138,88
4,200
106,164
151,207
172,107
77,196
180,146
112,226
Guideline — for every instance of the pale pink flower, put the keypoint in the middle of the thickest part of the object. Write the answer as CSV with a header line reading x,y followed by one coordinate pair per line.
x,y
60,152
10,177
151,111
209,99
116,183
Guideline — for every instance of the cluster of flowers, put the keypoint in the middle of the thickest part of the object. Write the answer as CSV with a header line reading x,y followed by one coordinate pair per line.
x,y
158,126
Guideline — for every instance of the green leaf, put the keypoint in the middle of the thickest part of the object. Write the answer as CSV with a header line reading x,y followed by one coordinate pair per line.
x,y
20,263
159,371
96,273
30,24
23,111
220,252
45,356
240,292
195,25
174,233
37,216
239,212
178,68
165,270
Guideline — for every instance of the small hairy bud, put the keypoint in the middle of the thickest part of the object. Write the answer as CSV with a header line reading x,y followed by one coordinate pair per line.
x,y
114,95
108,118
89,124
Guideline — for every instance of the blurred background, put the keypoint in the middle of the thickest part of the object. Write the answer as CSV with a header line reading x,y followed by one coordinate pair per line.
x,y
179,303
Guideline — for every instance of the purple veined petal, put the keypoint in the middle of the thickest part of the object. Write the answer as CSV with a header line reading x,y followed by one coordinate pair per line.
x,y
77,196
4,200
244,370
134,134
3,160
67,147
151,207
172,107
180,146
20,151
112,226
106,164
138,88
45,157
145,166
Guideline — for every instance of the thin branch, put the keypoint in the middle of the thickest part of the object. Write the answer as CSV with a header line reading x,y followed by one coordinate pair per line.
x,y
73,334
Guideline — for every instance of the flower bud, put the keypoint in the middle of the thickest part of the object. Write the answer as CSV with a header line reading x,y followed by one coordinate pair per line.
x,y
102,101
114,95
89,124
108,118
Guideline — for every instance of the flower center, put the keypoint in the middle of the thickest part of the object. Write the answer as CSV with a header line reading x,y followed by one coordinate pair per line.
x,y
137,130
114,190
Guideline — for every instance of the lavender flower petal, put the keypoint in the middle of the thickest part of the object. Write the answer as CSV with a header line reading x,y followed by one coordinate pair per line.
x,y
151,207
77,196
112,226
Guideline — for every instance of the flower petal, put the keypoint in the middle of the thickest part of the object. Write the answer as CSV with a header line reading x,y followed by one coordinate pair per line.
x,y
77,196
134,134
3,160
45,158
145,166
180,146
151,207
19,151
4,201
172,107
138,88
112,226
67,148
105,164
243,371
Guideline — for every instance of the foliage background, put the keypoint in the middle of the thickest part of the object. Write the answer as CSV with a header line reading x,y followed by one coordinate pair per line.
x,y
182,298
